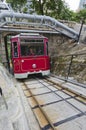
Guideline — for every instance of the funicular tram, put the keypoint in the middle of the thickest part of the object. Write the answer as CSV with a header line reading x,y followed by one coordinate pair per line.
x,y
30,55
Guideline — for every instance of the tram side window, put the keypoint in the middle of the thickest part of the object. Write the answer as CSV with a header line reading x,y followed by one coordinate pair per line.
x,y
47,47
15,49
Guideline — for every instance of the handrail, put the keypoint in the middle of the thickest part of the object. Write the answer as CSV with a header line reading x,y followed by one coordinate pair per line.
x,y
42,20
69,64
75,54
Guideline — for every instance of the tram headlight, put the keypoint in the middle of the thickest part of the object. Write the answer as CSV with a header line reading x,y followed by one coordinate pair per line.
x,y
34,66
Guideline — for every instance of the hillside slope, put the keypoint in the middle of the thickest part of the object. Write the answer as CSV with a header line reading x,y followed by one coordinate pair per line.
x,y
65,61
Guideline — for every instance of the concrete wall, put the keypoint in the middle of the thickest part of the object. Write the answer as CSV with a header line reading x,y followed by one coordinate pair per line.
x,y
2,50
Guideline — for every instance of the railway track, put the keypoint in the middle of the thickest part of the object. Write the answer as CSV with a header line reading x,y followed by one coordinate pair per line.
x,y
54,106
73,87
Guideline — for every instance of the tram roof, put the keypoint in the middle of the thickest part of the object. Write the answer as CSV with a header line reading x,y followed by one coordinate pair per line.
x,y
29,35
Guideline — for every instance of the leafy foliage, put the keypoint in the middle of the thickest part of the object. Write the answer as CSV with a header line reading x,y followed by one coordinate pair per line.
x,y
17,5
54,8
81,15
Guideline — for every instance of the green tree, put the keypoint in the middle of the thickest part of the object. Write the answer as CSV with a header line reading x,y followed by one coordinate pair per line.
x,y
80,15
17,5
54,8
38,6
47,7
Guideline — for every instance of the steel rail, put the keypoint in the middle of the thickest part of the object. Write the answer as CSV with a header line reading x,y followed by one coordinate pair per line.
x,y
66,99
70,81
74,54
67,89
45,115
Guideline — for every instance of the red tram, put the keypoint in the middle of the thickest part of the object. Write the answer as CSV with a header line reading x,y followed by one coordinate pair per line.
x,y
30,55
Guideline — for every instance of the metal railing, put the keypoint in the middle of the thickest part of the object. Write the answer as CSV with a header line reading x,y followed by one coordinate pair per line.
x,y
70,66
9,19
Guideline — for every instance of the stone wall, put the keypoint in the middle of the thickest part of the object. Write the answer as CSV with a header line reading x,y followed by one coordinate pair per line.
x,y
55,42
2,50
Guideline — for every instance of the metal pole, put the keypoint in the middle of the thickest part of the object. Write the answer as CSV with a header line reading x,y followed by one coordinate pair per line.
x,y
80,29
0,91
69,69
3,98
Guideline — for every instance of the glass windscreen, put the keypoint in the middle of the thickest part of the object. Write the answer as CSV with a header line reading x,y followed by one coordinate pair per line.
x,y
28,48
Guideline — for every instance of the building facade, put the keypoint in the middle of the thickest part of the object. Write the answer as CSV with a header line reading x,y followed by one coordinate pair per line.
x,y
82,4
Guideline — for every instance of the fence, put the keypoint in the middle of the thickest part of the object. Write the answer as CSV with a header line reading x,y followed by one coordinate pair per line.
x,y
70,66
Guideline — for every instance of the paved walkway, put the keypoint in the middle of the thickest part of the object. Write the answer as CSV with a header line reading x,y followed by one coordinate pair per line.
x,y
12,113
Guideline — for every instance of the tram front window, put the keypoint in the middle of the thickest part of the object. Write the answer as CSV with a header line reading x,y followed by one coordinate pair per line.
x,y
32,49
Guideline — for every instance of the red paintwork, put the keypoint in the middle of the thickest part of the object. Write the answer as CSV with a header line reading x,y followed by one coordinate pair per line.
x,y
41,62
22,64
